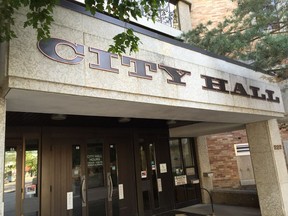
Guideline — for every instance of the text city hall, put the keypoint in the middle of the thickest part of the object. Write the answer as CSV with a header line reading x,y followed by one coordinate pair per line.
x,y
49,48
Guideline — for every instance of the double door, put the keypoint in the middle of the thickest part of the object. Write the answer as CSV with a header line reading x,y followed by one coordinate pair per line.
x,y
89,176
21,176
154,185
80,172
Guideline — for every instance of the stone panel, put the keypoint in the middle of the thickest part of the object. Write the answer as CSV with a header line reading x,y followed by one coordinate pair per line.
x,y
269,167
2,147
26,62
204,167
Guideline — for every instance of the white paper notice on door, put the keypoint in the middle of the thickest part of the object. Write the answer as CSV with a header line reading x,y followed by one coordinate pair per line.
x,y
163,168
69,200
121,191
159,184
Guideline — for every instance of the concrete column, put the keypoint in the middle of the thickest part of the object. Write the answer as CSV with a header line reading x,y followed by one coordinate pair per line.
x,y
2,150
184,15
269,167
204,167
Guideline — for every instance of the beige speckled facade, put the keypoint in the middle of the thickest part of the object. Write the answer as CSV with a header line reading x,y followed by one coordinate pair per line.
x,y
184,11
31,70
269,167
41,85
204,167
2,147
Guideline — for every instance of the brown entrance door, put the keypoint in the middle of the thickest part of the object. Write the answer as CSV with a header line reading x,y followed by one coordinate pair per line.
x,y
21,176
185,173
149,181
153,172
92,176
12,182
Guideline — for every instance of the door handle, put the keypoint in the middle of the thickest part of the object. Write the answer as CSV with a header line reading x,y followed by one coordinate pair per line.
x,y
110,186
83,191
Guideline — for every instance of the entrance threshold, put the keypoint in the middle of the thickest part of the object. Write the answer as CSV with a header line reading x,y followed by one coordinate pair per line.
x,y
179,213
221,210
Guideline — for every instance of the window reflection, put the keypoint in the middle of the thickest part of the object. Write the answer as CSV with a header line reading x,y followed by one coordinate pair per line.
x,y
10,181
95,165
31,187
176,161
76,180
154,174
184,169
143,163
95,178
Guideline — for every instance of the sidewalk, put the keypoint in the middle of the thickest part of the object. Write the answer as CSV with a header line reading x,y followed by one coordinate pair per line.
x,y
220,210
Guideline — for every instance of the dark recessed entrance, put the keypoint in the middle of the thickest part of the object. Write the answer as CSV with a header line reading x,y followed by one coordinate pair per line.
x,y
83,165
41,119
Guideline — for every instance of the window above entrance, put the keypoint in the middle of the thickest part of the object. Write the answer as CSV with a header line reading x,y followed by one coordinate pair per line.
x,y
166,22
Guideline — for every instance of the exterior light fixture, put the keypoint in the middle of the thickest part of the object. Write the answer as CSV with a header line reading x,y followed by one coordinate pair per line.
x,y
58,117
171,122
124,120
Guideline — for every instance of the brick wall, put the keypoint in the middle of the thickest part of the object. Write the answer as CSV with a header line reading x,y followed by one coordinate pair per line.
x,y
284,134
284,130
204,10
223,159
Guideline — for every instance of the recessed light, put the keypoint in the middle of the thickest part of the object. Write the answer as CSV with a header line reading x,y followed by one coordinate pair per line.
x,y
58,117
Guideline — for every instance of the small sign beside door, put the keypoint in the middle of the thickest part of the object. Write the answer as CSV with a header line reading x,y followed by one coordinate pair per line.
x,y
69,200
144,174
30,189
121,191
159,184
163,168
180,180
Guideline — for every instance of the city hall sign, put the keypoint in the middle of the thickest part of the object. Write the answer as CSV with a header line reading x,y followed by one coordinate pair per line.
x,y
104,62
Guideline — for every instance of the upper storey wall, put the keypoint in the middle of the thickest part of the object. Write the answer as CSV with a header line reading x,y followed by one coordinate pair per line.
x,y
206,10
164,72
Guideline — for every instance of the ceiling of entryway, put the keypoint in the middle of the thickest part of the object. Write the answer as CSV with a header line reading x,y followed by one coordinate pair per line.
x,y
50,103
42,119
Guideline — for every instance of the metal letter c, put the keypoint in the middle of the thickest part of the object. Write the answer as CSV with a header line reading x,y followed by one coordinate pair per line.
x,y
48,48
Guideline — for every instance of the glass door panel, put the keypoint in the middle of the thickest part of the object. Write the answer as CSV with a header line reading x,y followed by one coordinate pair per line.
x,y
149,177
189,167
180,179
114,193
187,188
96,190
21,182
152,157
30,178
76,180
176,161
10,174
95,179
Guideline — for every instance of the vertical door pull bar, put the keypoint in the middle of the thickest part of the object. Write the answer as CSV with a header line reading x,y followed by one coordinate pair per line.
x,y
109,186
83,191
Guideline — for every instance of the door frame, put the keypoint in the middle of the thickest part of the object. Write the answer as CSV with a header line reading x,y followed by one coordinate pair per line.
x,y
83,134
195,161
18,144
16,136
160,137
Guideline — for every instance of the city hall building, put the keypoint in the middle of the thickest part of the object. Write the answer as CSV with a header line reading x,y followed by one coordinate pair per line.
x,y
87,132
